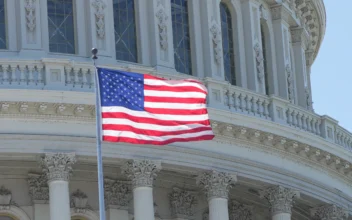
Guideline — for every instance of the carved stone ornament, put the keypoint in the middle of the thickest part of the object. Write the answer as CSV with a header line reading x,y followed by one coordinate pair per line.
x,y
280,199
308,99
141,172
206,215
117,193
216,184
38,188
239,211
79,201
290,84
182,203
263,12
99,6
162,25
58,166
30,14
259,61
329,212
217,42
5,198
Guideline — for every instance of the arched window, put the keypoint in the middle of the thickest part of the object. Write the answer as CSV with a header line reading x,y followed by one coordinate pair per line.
x,y
265,61
61,26
125,30
180,29
227,44
2,25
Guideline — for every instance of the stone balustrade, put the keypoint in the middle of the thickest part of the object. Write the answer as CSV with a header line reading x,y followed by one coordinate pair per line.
x,y
66,75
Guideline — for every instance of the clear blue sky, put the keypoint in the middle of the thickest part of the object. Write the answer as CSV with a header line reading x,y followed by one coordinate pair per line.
x,y
331,74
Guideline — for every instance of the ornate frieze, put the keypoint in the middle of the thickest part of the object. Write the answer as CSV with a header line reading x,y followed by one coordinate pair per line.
x,y
182,203
38,187
99,6
217,42
280,199
141,172
5,198
58,166
329,212
259,58
240,211
162,25
30,6
216,184
118,194
79,201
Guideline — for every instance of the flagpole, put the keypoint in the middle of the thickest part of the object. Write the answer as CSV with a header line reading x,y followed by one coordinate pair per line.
x,y
98,139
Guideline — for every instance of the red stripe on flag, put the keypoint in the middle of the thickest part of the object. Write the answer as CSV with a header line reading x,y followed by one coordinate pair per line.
x,y
151,120
173,88
138,141
149,132
175,100
176,111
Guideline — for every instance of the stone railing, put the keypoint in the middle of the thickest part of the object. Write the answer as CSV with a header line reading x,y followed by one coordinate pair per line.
x,y
54,74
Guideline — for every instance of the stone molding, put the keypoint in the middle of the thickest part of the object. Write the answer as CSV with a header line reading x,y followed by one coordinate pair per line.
x,y
38,188
225,132
162,25
30,6
329,212
99,6
79,202
5,198
216,184
182,203
280,199
240,211
118,193
141,172
58,166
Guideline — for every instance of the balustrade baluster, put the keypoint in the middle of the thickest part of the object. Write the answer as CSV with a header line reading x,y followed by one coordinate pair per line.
x,y
1,75
314,130
266,109
299,120
260,108
235,101
289,116
294,118
254,106
248,104
243,102
304,122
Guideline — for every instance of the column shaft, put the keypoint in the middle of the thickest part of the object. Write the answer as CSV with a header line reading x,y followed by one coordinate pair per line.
x,y
282,216
218,209
143,203
59,200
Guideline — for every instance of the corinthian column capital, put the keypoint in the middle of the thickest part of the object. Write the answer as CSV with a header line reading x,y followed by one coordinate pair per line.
x,y
280,199
58,166
329,212
216,184
141,172
38,188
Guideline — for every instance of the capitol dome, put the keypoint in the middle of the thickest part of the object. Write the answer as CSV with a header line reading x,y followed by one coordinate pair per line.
x,y
272,156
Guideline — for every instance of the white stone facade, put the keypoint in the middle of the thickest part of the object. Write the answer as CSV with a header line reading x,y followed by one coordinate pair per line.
x,y
272,157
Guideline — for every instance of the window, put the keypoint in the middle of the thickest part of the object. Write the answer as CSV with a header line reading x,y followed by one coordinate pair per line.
x,y
125,30
61,26
227,44
2,25
180,29
265,61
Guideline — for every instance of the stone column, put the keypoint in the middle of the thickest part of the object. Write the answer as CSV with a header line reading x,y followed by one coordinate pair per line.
x,y
299,44
329,212
217,185
280,200
117,198
280,15
58,167
142,174
39,193
253,46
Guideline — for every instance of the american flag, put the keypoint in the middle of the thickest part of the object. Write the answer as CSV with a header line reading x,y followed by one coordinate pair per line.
x,y
144,109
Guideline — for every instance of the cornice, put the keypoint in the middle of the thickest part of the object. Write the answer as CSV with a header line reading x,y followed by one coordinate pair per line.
x,y
296,150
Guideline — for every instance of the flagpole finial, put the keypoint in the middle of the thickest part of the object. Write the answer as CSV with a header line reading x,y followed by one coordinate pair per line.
x,y
94,53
